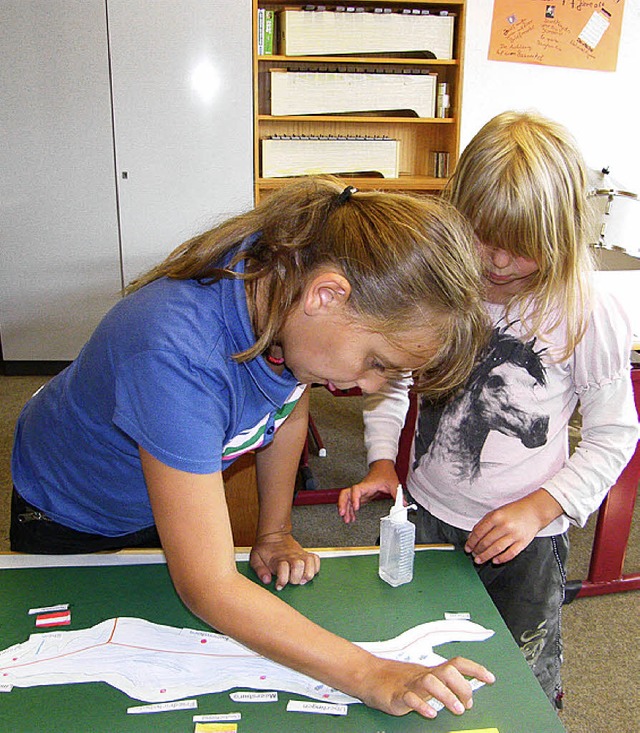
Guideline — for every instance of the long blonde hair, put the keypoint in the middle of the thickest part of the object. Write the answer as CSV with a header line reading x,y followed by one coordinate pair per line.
x,y
411,264
523,185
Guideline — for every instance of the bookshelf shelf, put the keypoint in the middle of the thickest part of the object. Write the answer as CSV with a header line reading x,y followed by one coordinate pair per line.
x,y
416,184
373,119
418,138
403,61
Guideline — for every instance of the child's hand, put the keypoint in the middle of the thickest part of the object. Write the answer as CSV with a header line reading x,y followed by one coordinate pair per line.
x,y
381,479
280,555
398,687
503,533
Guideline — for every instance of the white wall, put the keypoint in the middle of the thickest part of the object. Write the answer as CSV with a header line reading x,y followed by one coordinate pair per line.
x,y
601,108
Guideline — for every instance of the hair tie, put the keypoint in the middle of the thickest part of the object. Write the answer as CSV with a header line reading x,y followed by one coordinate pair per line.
x,y
272,358
276,360
346,195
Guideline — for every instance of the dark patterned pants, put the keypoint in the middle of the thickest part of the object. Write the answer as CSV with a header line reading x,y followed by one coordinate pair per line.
x,y
33,532
528,591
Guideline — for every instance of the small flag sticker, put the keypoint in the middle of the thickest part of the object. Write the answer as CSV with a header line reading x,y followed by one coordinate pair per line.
x,y
59,618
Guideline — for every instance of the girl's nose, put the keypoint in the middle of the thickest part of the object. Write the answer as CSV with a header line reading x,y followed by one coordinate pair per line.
x,y
500,258
372,382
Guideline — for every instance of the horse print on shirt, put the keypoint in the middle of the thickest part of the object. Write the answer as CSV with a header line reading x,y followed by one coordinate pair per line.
x,y
498,396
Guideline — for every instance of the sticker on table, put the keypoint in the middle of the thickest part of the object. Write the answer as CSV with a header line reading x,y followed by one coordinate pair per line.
x,y
457,615
58,618
320,708
215,728
48,609
163,707
254,696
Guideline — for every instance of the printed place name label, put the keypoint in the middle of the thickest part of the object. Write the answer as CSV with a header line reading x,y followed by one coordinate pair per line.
x,y
48,609
254,696
219,718
162,707
322,708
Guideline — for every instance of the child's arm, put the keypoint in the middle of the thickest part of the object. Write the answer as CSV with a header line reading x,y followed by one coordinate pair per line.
x,y
503,533
192,519
600,373
381,479
275,551
608,436
384,414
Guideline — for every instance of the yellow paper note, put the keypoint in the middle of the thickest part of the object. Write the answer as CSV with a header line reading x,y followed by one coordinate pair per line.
x,y
216,728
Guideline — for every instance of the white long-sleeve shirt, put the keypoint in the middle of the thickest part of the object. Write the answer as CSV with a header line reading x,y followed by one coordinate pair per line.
x,y
507,434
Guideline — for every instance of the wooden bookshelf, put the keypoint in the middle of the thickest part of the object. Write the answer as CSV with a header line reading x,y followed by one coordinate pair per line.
x,y
418,136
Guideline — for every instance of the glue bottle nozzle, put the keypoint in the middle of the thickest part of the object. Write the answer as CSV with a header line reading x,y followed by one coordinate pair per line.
x,y
399,511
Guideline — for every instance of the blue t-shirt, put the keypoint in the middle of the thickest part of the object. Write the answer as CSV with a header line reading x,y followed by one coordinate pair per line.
x,y
158,373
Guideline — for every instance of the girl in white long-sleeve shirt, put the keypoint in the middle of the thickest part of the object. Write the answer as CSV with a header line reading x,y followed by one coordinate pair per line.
x,y
489,468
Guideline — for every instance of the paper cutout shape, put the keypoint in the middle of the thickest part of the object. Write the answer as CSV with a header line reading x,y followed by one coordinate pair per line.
x,y
156,663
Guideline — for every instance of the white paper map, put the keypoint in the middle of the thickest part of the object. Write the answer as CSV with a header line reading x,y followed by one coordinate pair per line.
x,y
156,663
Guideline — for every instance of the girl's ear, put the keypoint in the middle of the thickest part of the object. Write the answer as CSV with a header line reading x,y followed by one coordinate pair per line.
x,y
326,291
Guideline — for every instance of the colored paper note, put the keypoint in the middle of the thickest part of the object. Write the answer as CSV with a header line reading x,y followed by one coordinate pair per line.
x,y
581,35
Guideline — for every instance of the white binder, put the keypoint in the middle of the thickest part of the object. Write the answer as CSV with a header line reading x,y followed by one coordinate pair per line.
x,y
307,156
327,33
308,92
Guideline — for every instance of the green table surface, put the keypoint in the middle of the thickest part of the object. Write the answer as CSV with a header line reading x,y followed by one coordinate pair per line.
x,y
347,597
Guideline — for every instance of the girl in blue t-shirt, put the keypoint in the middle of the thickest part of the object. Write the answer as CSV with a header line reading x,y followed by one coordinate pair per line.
x,y
207,357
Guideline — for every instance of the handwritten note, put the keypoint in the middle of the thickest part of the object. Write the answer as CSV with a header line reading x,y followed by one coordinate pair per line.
x,y
580,34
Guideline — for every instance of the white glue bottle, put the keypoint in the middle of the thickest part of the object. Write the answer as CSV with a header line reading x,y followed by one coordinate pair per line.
x,y
397,544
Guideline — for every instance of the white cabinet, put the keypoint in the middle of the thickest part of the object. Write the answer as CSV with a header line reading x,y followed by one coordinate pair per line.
x,y
127,128
182,96
59,260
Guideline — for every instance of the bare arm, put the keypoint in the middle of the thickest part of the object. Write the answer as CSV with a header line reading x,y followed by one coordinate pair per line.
x,y
193,523
275,550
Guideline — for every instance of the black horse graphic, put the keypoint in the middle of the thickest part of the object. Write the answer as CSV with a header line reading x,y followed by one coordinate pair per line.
x,y
494,398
